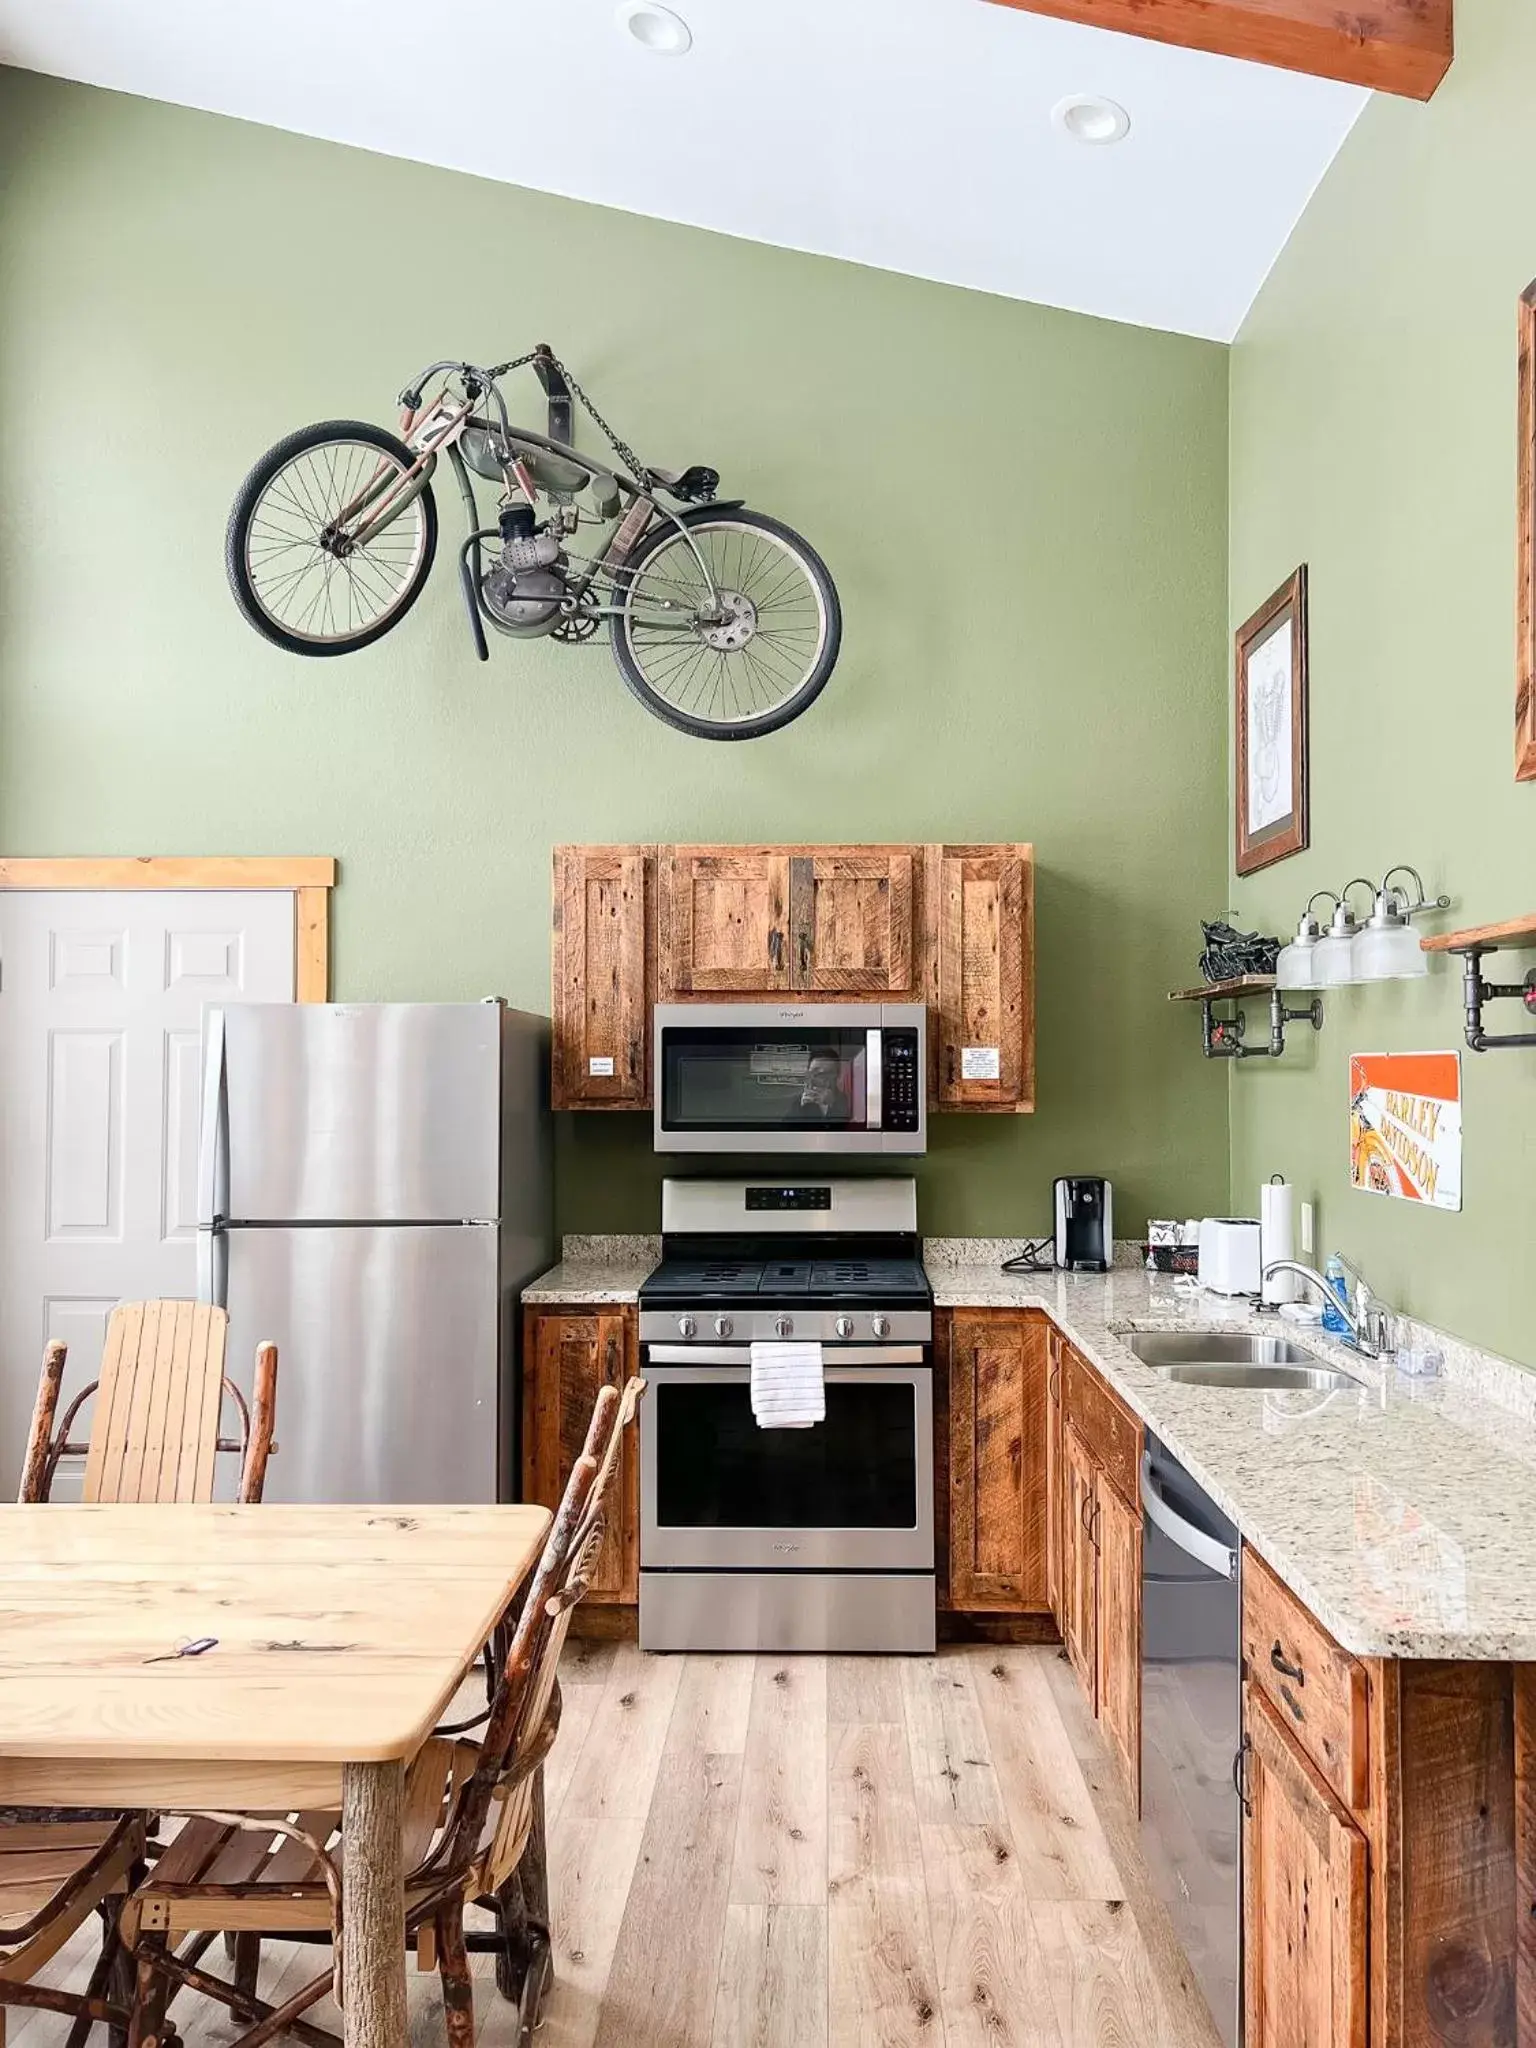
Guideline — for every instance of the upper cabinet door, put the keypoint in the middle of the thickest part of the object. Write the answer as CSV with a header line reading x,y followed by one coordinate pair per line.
x,y
604,976
981,912
851,920
725,920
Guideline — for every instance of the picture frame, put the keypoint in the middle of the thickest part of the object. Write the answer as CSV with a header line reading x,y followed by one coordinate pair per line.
x,y
1270,721
1525,656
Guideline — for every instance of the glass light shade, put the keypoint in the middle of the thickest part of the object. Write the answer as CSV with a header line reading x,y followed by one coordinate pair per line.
x,y
1333,960
1297,965
1389,952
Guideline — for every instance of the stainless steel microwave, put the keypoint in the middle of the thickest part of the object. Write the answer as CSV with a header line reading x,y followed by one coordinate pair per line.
x,y
795,1077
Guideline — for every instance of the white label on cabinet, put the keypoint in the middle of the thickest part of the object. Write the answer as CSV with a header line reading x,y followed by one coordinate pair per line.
x,y
980,1063
601,1063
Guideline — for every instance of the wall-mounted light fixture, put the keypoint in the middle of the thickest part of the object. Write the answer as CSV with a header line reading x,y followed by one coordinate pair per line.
x,y
1388,948
1384,948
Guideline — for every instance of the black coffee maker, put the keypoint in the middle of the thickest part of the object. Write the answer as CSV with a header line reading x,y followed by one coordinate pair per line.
x,y
1085,1225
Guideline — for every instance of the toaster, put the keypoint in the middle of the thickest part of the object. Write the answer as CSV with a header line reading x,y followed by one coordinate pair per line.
x,y
1229,1254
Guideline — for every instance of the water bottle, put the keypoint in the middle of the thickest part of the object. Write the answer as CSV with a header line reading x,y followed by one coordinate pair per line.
x,y
1338,1279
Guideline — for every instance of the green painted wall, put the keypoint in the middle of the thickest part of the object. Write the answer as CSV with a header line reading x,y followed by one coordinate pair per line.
x,y
1024,509
1373,436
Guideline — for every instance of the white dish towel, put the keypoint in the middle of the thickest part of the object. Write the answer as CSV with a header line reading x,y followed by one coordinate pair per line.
x,y
789,1390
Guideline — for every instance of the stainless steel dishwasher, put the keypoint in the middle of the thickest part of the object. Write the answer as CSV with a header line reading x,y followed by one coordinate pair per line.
x,y
1191,1725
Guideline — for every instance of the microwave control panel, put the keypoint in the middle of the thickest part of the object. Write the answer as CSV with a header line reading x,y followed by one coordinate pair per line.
x,y
900,1081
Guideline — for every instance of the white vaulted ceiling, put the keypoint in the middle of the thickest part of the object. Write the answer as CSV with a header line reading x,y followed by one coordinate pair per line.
x,y
910,134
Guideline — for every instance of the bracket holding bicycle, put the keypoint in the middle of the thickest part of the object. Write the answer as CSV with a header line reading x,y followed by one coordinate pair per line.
x,y
1223,1036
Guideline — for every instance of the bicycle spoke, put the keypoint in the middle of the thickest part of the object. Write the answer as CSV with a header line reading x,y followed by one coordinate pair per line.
x,y
314,591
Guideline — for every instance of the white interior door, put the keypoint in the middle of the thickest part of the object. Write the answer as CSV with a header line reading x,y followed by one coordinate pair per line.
x,y
101,1001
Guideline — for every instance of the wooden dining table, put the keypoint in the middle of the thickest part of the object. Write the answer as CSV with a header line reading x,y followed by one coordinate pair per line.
x,y
340,1635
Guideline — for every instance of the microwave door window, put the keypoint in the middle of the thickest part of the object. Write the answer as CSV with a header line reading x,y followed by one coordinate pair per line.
x,y
715,1080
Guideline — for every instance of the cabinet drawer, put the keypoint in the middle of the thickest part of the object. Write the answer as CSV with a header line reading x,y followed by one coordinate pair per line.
x,y
1317,1689
1106,1425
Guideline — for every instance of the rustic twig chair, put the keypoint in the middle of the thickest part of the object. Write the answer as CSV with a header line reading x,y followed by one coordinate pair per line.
x,y
155,1426
468,1813
53,1875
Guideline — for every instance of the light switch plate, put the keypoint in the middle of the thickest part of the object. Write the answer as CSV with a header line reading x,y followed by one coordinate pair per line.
x,y
1308,1231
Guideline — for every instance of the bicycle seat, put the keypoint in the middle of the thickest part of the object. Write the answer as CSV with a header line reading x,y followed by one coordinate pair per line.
x,y
695,482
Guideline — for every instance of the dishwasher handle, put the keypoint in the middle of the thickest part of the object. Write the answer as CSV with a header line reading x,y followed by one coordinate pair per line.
x,y
1216,1556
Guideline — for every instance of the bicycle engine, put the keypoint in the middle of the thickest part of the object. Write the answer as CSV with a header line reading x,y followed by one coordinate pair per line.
x,y
524,588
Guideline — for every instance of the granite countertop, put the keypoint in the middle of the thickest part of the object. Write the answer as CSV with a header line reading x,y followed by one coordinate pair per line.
x,y
1402,1514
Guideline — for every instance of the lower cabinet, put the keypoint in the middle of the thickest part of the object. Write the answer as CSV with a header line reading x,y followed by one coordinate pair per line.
x,y
568,1354
1117,1539
1055,1456
998,1481
1101,1560
1305,1901
1080,1566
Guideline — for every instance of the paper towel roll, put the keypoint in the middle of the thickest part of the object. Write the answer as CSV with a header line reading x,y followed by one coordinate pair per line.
x,y
1277,1237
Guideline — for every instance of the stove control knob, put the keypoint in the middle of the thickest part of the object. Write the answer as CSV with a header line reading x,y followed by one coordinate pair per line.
x,y
783,1326
723,1326
880,1325
845,1326
687,1327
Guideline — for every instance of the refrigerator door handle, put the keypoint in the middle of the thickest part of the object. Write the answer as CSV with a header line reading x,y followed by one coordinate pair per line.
x,y
213,1129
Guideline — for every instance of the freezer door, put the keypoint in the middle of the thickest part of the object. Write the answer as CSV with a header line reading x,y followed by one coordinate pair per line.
x,y
387,1370
351,1112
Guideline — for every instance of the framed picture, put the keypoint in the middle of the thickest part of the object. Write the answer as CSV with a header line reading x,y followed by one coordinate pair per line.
x,y
1525,667
1271,723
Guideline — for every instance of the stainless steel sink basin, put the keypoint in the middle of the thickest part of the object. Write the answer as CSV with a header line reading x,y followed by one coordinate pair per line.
x,y
1164,1348
1319,1379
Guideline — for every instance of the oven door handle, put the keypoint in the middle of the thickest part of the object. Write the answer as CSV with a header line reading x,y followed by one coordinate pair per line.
x,y
835,1358
1195,1543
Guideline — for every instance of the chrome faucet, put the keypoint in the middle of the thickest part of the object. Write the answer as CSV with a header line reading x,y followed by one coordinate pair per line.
x,y
1370,1325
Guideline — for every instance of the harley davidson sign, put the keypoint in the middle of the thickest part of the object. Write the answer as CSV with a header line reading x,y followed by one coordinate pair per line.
x,y
1405,1126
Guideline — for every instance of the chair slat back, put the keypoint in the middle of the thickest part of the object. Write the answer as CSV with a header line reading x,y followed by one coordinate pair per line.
x,y
155,1426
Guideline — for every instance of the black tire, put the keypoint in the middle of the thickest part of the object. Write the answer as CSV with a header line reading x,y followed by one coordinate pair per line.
x,y
249,497
751,728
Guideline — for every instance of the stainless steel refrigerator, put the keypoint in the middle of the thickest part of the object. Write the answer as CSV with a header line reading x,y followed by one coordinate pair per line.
x,y
374,1190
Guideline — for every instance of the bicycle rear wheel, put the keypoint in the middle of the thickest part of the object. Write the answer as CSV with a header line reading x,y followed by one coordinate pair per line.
x,y
300,579
750,662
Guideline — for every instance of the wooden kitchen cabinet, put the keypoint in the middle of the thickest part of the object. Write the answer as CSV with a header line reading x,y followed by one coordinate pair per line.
x,y
852,921
1117,1539
1305,1902
568,1354
981,910
998,1489
1055,1458
1080,1587
604,976
725,921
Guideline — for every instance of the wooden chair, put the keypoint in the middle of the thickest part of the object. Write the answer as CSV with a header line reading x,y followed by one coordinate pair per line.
x,y
468,1813
53,1875
155,1428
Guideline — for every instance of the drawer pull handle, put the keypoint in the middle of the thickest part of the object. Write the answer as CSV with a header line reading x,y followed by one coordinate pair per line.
x,y
1291,1671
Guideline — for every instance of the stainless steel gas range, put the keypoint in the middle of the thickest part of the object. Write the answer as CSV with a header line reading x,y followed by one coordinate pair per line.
x,y
818,1538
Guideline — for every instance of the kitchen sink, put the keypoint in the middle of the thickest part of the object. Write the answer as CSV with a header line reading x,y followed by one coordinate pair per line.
x,y
1318,1379
1164,1348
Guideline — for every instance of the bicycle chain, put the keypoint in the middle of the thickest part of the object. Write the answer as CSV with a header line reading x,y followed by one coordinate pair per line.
x,y
621,448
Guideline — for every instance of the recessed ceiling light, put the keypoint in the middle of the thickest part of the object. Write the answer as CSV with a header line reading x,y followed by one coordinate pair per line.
x,y
654,28
1088,118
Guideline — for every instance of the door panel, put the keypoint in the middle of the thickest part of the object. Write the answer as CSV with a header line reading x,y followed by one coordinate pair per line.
x,y
1079,1622
1054,1461
1304,1899
725,920
363,1112
387,1375
567,1358
851,918
997,1462
983,922
605,975
1117,1531
101,1001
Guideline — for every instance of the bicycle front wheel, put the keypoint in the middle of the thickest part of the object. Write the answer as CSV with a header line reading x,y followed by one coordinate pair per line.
x,y
742,661
297,571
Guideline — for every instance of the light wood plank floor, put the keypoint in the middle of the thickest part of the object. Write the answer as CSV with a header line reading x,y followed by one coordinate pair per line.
x,y
822,1852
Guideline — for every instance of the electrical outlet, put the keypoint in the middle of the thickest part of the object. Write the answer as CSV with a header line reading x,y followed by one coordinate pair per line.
x,y
1308,1232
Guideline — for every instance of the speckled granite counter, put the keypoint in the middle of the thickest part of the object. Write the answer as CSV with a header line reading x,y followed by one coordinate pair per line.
x,y
1403,1515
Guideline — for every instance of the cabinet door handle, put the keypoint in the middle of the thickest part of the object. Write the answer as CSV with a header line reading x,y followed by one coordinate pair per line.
x,y
804,943
1292,1671
1054,1383
1240,1776
611,1369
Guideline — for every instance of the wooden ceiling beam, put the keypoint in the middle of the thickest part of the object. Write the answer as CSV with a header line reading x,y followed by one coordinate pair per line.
x,y
1396,46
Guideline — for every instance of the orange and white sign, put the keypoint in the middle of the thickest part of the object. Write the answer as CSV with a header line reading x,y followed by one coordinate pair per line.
x,y
1405,1126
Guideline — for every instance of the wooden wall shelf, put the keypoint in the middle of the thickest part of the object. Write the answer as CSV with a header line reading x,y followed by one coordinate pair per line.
x,y
1212,991
1485,938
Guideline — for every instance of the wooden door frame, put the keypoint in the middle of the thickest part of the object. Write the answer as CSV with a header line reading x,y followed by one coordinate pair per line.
x,y
309,879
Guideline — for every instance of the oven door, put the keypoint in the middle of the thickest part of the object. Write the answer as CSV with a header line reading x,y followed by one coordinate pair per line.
x,y
852,1493
811,1079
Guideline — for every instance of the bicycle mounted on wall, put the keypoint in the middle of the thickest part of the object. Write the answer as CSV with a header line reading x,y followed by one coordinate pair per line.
x,y
723,622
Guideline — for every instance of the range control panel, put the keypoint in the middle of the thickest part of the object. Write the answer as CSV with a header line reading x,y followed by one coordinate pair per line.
x,y
901,1081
